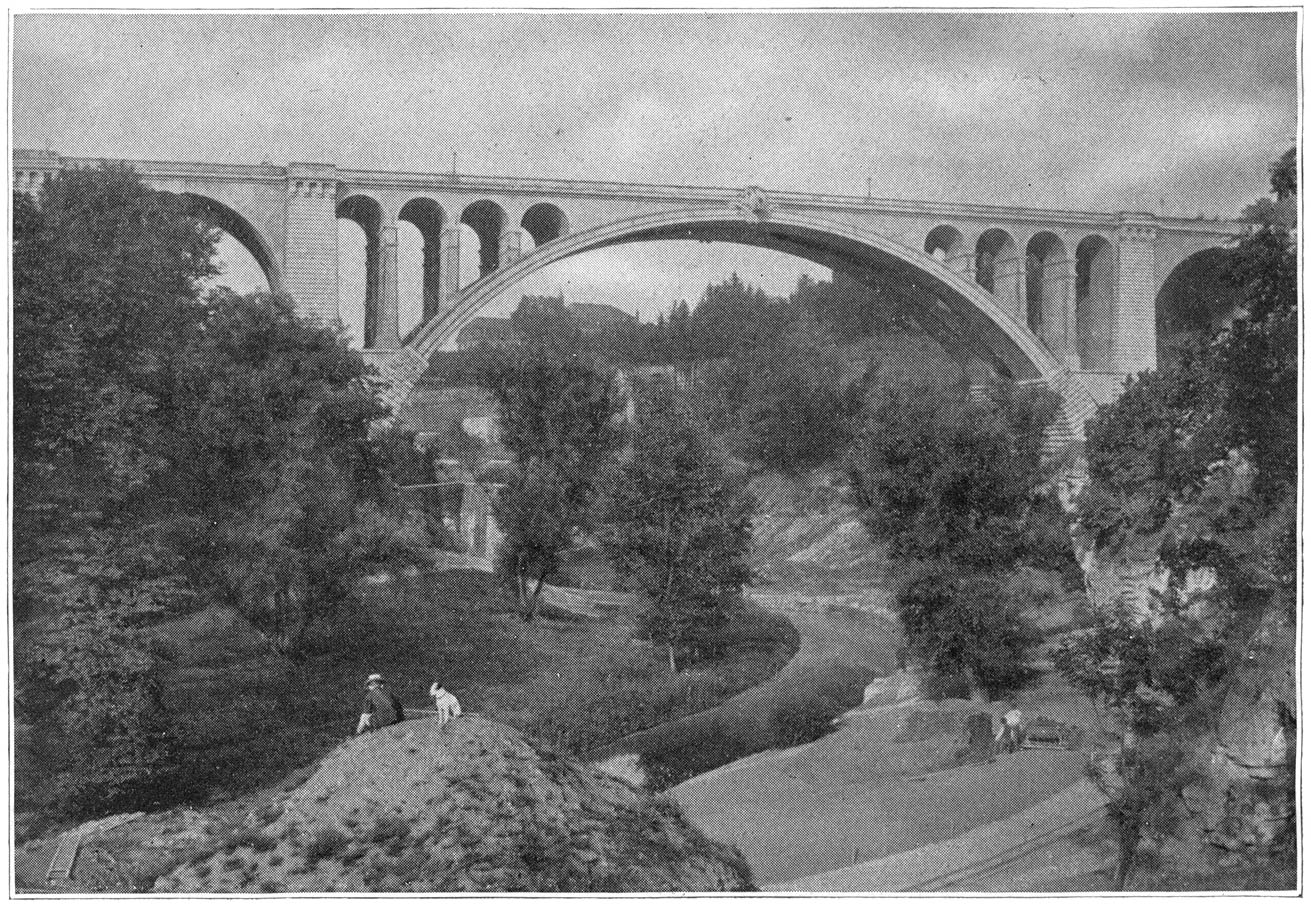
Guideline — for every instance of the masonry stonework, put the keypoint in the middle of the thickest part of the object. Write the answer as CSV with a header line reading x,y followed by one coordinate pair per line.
x,y
1106,328
1133,319
309,258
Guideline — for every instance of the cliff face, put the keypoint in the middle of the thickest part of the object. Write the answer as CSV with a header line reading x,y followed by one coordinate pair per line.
x,y
1246,801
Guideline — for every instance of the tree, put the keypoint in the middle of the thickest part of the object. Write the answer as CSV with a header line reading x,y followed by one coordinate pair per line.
x,y
171,449
107,280
285,501
957,485
556,411
678,524
1151,682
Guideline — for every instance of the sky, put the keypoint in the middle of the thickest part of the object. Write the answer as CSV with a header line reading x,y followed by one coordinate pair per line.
x,y
1172,112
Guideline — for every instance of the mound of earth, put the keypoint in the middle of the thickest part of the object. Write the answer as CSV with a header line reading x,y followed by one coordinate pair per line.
x,y
472,807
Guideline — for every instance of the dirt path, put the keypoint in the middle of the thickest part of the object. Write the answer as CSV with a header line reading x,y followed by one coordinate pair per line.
x,y
1061,834
842,649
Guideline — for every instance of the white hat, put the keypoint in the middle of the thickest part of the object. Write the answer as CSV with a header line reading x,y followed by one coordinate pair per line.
x,y
376,678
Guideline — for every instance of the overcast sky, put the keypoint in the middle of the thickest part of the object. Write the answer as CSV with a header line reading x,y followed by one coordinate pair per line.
x,y
1100,112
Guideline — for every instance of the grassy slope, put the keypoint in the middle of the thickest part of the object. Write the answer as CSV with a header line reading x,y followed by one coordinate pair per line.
x,y
841,651
245,718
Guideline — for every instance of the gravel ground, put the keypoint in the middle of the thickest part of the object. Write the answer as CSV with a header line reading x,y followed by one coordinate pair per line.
x,y
793,817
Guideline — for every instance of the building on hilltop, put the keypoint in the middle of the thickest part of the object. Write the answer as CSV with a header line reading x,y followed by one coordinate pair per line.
x,y
594,317
486,331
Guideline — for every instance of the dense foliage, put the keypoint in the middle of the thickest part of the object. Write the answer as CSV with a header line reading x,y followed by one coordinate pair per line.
x,y
679,525
171,451
957,485
285,501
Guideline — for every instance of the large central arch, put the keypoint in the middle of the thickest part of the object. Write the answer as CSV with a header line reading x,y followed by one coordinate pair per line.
x,y
953,308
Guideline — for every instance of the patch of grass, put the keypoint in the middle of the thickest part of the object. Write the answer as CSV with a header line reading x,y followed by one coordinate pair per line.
x,y
326,843
805,718
387,828
603,685
252,720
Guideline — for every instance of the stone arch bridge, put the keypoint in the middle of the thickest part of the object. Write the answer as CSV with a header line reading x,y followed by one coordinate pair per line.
x,y
1063,297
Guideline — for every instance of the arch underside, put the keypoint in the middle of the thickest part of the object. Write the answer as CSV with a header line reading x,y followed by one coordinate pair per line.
x,y
216,214
959,314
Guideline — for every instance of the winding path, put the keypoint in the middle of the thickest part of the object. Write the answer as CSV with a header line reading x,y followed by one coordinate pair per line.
x,y
842,648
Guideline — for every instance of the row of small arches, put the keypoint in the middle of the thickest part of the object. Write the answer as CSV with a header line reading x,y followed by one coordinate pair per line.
x,y
1034,284
422,227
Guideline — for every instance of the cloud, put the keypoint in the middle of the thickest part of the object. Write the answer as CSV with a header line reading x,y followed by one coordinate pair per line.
x,y
1092,111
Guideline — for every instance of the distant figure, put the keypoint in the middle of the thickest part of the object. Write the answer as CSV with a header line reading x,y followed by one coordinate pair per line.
x,y
1008,735
444,703
381,706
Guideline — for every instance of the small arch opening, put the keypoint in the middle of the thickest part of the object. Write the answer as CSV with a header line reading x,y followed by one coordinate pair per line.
x,y
1045,273
425,219
1094,285
359,271
944,243
544,222
995,267
487,220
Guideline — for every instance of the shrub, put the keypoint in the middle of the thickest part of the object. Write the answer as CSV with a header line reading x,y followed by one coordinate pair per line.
x,y
389,827
326,843
805,718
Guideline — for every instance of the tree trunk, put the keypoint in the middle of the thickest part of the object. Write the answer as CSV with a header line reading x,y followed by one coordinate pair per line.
x,y
1128,852
535,601
521,588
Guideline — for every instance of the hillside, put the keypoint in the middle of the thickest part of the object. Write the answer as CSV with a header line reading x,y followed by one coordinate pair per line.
x,y
470,807
808,537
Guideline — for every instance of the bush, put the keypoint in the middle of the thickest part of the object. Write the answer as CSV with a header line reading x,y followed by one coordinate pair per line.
x,y
805,718
387,828
326,843
958,487
114,749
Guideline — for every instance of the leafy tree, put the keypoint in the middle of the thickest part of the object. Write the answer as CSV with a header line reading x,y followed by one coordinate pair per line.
x,y
286,501
958,487
168,449
98,671
106,283
1151,680
971,629
778,398
556,411
679,525
848,309
107,277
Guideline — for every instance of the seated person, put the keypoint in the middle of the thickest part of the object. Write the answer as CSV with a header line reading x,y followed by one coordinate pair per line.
x,y
381,706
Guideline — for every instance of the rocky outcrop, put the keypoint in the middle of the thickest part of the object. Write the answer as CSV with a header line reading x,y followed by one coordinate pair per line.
x,y
1247,801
